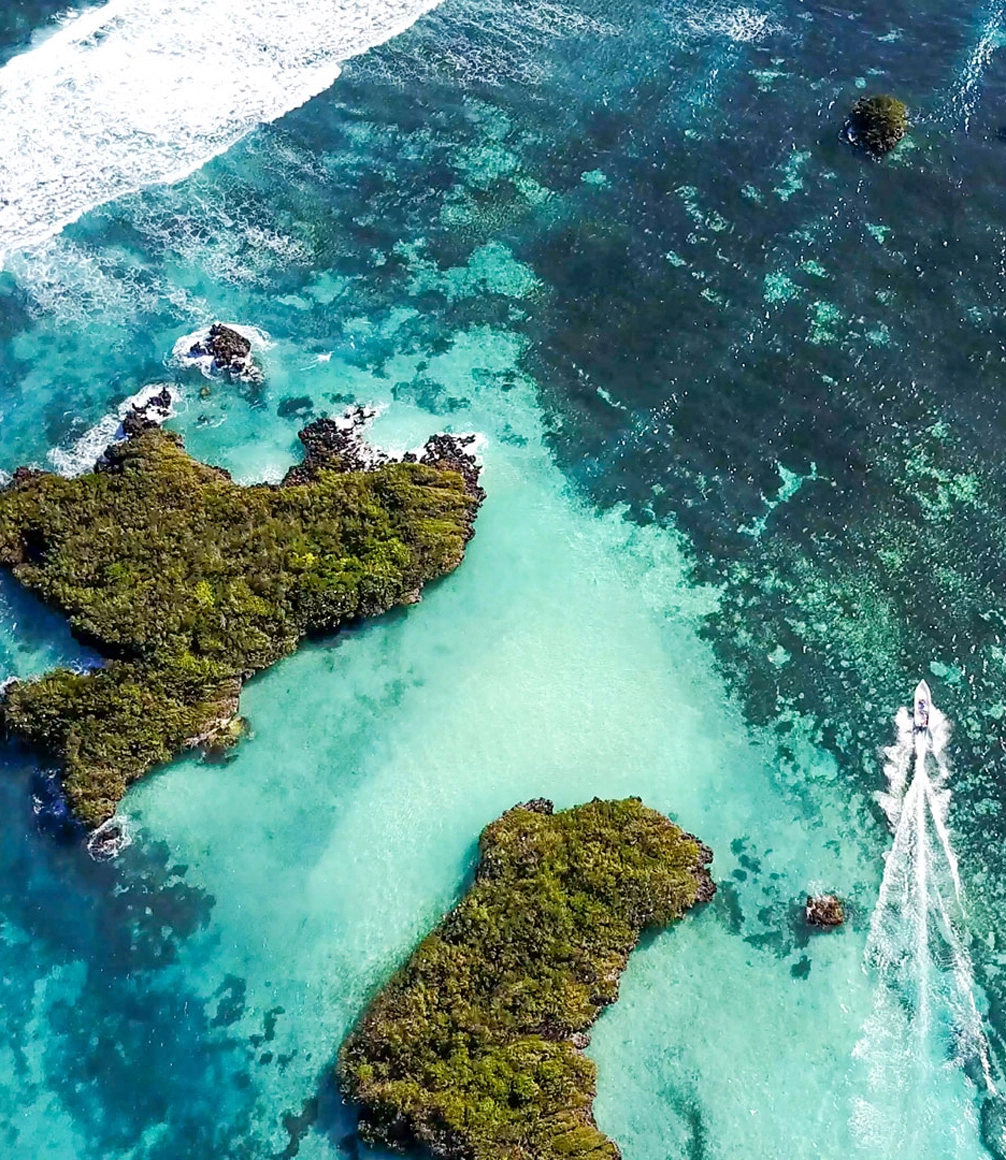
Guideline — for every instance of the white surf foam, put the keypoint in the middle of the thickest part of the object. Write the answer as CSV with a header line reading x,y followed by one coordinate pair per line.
x,y
491,42
143,91
739,23
109,839
87,450
964,98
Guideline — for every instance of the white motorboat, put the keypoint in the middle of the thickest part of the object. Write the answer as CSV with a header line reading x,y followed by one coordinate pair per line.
x,y
923,703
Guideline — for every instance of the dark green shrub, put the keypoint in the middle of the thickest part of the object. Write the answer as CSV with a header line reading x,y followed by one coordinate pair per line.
x,y
877,124
189,583
473,1048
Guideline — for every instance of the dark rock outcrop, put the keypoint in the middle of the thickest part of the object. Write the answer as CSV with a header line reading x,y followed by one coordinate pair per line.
x,y
229,350
151,413
451,453
108,840
707,887
538,806
825,911
339,445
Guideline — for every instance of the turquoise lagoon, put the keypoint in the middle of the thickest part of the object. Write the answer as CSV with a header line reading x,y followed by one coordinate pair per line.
x,y
434,236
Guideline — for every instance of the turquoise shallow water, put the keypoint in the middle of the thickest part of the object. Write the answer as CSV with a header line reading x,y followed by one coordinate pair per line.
x,y
532,670
575,233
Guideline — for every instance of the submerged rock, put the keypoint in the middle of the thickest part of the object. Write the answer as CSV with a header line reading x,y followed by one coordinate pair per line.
x,y
877,124
51,809
825,910
474,1049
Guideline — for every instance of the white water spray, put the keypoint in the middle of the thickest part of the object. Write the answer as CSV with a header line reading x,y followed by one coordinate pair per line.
x,y
924,1042
143,91
964,99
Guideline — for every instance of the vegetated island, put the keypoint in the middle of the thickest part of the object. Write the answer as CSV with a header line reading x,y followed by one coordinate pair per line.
x,y
878,123
189,583
474,1049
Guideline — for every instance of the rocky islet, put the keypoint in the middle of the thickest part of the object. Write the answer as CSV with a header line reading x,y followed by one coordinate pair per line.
x,y
228,350
876,124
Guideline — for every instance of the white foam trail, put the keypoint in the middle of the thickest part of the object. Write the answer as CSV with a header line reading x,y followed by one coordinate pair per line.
x,y
926,1016
87,450
143,91
965,96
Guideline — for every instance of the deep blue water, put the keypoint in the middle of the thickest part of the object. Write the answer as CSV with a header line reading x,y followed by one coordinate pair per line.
x,y
631,236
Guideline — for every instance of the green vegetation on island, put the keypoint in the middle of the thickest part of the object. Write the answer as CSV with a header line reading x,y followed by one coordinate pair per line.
x,y
474,1049
877,124
189,583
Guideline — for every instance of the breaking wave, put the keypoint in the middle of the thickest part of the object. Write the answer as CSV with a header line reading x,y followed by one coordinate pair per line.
x,y
157,403
144,91
964,99
739,23
491,42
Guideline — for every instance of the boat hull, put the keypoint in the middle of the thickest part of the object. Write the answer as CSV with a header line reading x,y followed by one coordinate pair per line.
x,y
922,704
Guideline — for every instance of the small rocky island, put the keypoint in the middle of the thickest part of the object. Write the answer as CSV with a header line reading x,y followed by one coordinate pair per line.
x,y
474,1049
227,350
189,583
877,124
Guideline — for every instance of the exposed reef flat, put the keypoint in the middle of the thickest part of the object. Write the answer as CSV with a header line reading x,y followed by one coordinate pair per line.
x,y
189,583
474,1049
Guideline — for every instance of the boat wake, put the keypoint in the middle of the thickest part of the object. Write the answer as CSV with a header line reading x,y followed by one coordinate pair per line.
x,y
926,1020
137,92
964,99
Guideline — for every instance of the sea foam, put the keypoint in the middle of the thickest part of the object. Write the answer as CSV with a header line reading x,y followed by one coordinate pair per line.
x,y
138,92
964,98
89,447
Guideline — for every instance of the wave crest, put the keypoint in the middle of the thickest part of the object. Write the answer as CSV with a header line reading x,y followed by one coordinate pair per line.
x,y
138,92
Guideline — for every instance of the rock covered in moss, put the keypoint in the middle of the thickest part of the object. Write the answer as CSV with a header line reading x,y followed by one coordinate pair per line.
x,y
825,910
188,583
878,123
474,1048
